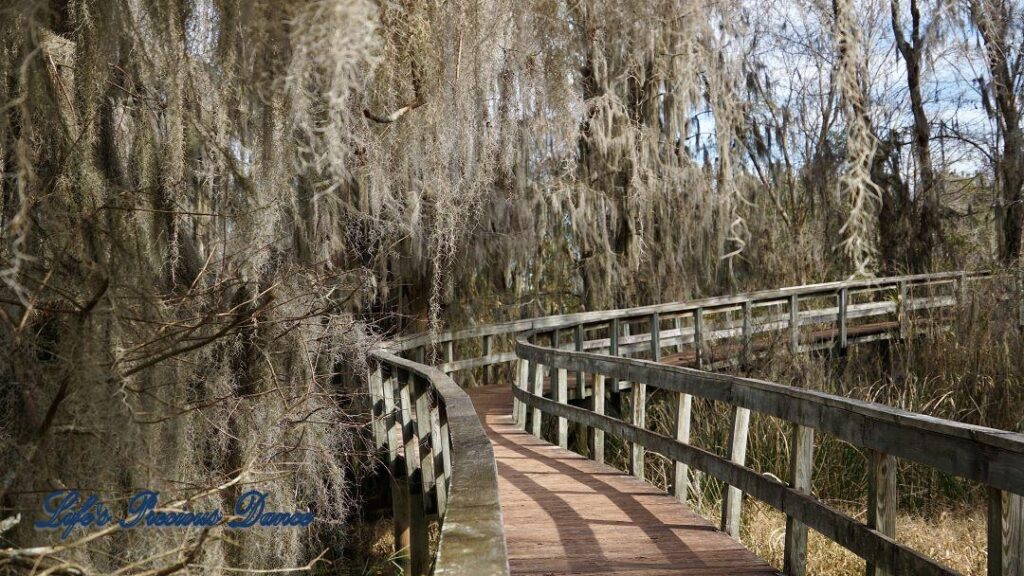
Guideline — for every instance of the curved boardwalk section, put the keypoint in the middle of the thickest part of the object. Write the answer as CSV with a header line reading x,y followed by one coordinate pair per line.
x,y
565,514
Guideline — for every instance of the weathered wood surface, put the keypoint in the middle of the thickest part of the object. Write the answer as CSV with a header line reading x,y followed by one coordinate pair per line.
x,y
472,539
565,514
993,457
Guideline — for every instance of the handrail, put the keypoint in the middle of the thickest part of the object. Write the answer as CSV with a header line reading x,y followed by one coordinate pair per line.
x,y
442,461
994,458
566,320
463,493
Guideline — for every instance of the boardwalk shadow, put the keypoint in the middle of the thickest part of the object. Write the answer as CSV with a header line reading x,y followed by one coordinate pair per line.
x,y
577,524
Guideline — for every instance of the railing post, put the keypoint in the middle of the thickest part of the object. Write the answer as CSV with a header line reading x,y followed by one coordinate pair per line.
x,y
794,323
537,377
558,388
639,419
1020,296
613,348
449,351
681,475
748,331
731,506
800,468
901,310
843,296
881,500
399,480
522,382
425,445
419,547
488,370
597,434
961,289
581,383
655,323
442,458
445,445
374,381
698,336
677,324
1005,533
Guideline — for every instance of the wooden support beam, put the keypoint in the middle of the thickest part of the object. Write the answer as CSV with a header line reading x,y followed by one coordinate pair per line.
x,y
558,377
731,506
613,349
655,329
794,323
442,470
374,381
488,370
419,545
581,383
680,473
523,382
597,406
748,332
841,321
677,324
398,479
537,377
425,445
800,468
638,405
901,311
698,336
1005,533
881,500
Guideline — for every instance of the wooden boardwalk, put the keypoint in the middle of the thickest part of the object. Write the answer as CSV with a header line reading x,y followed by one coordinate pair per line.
x,y
565,514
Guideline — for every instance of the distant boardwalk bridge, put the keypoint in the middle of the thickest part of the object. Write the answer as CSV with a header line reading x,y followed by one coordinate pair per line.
x,y
509,501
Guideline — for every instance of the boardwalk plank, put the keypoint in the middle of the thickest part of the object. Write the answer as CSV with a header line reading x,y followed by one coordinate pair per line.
x,y
565,514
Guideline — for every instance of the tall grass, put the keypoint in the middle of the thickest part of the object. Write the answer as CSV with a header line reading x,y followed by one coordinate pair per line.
x,y
968,367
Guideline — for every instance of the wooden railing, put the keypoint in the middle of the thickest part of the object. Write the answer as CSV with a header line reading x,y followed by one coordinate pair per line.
x,y
830,315
442,466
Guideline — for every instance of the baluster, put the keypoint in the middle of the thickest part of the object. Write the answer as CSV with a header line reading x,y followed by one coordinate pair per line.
x,y
613,349
488,370
677,324
639,419
522,382
881,500
681,476
449,354
597,434
421,398
901,310
1005,533
558,378
1020,296
843,296
441,468
800,467
537,377
655,337
398,478
794,323
446,444
748,331
731,507
418,545
698,336
961,288
581,383
374,381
